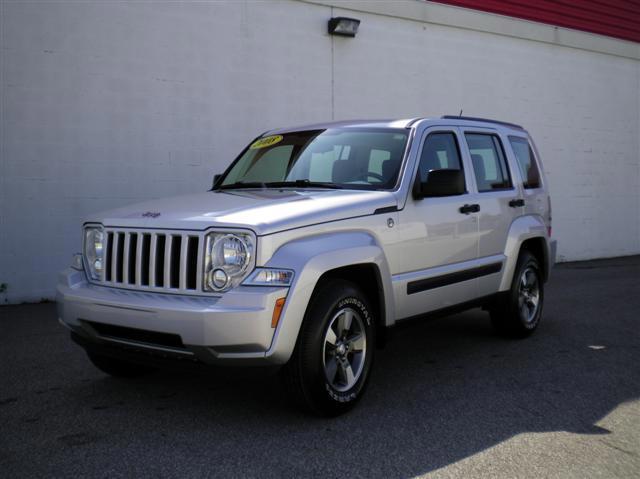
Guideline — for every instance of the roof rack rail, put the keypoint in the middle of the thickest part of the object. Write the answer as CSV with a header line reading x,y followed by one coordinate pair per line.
x,y
488,120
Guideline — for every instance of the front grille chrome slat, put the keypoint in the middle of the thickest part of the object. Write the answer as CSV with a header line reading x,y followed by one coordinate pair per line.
x,y
114,256
152,261
160,261
167,260
125,260
184,254
138,261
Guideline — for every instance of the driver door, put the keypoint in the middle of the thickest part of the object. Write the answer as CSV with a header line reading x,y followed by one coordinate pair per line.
x,y
438,245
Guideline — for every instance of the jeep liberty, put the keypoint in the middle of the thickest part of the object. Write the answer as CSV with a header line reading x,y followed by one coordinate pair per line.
x,y
311,244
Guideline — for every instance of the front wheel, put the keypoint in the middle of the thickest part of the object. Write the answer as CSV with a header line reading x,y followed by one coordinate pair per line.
x,y
330,366
518,313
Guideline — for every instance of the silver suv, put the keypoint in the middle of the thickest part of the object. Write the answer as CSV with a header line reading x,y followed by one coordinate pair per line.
x,y
312,244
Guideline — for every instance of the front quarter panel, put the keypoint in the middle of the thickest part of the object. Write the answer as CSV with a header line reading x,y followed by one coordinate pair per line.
x,y
310,258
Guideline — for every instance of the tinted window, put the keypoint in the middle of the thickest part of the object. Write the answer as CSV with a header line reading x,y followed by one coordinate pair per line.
x,y
526,161
271,167
440,151
489,163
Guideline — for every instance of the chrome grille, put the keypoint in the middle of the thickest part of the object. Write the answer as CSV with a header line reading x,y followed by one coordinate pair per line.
x,y
153,260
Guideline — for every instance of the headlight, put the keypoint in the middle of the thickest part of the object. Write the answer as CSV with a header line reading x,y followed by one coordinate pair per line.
x,y
94,251
227,259
269,277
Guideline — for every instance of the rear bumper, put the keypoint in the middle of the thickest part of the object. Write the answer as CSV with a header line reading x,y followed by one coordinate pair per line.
x,y
234,328
553,247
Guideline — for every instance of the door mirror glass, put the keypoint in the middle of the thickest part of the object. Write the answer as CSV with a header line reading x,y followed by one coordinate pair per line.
x,y
443,182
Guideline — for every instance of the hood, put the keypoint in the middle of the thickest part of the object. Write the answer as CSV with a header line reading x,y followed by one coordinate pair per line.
x,y
263,211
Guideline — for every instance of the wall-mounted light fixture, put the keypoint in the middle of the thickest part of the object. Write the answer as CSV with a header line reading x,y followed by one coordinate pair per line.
x,y
346,27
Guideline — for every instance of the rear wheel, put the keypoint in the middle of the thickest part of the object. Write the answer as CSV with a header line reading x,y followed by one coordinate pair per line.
x,y
330,366
518,313
117,367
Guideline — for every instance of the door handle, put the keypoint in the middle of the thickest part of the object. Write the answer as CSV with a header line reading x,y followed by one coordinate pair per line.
x,y
516,203
466,209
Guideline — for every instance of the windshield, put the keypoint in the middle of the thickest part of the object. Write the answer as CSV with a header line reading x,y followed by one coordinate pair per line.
x,y
335,158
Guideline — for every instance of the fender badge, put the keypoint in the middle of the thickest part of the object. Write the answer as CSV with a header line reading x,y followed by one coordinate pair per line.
x,y
150,214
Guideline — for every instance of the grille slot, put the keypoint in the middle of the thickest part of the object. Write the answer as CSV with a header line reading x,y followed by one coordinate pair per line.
x,y
133,251
109,254
192,262
159,258
174,263
145,254
153,260
119,247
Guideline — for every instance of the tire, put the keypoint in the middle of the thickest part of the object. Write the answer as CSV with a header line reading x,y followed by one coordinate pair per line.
x,y
117,367
518,313
330,366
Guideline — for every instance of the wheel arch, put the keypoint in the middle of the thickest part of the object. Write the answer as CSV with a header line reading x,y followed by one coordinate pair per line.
x,y
530,233
366,276
315,259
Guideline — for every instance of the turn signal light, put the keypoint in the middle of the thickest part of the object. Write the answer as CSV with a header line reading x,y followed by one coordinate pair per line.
x,y
277,311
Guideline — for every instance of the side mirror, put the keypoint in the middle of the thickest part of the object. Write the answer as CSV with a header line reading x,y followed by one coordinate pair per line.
x,y
215,180
440,183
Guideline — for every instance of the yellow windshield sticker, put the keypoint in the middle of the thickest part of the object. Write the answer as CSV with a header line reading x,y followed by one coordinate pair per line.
x,y
266,142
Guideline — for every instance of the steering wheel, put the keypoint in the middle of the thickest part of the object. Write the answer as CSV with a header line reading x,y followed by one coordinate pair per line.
x,y
366,176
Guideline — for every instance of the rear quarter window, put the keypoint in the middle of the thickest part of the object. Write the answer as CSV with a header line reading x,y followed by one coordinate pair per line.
x,y
526,161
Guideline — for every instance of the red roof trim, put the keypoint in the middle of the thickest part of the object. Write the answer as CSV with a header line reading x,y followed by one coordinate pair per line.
x,y
613,18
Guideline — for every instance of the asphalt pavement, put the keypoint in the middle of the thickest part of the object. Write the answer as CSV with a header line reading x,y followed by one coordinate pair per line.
x,y
447,399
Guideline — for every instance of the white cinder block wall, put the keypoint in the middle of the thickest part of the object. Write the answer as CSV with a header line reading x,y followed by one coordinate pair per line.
x,y
108,103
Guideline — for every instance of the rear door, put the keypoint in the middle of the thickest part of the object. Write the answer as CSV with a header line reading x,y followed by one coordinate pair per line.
x,y
498,198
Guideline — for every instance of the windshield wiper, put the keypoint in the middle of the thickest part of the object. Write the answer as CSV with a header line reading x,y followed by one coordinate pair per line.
x,y
303,184
279,184
242,184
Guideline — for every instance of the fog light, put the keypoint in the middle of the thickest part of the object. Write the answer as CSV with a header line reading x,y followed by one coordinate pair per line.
x,y
346,27
219,278
76,263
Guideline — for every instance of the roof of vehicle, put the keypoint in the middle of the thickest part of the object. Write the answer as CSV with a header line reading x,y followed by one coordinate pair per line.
x,y
346,124
400,123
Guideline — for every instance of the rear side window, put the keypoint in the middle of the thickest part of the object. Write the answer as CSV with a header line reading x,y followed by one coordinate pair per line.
x,y
526,161
440,151
489,163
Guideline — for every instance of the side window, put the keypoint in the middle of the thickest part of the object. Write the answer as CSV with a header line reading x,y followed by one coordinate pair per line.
x,y
489,162
526,161
440,151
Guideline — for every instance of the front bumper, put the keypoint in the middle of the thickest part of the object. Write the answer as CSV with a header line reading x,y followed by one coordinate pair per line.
x,y
234,328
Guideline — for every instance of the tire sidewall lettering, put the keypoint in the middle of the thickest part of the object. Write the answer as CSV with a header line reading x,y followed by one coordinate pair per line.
x,y
351,395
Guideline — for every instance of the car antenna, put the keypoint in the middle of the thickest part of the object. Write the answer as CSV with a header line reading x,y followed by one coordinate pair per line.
x,y
460,115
